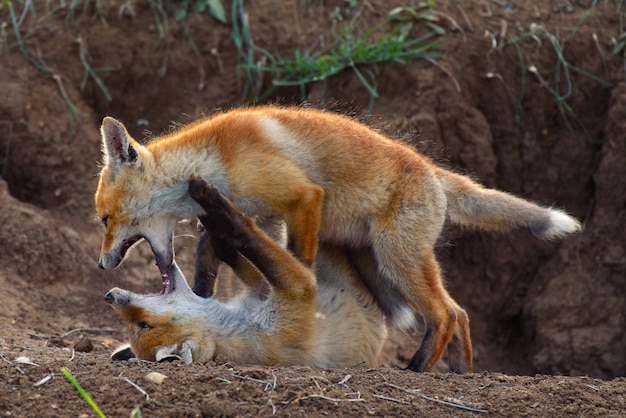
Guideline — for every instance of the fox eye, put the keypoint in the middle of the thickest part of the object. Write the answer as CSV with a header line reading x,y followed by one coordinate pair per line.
x,y
143,325
105,221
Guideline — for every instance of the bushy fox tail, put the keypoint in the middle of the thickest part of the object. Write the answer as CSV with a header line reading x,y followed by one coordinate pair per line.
x,y
472,205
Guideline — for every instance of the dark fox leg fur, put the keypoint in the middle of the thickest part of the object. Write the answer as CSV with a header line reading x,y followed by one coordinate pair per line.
x,y
233,235
207,265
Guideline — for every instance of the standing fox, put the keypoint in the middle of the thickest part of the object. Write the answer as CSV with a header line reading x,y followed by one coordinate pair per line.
x,y
333,180
287,317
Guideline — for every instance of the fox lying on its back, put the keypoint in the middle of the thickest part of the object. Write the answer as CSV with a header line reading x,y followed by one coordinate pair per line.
x,y
285,318
330,178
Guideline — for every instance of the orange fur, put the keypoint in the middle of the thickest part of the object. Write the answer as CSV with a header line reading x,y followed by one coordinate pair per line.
x,y
334,181
329,322
166,331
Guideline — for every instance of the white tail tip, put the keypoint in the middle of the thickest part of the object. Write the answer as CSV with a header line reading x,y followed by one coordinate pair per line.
x,y
561,224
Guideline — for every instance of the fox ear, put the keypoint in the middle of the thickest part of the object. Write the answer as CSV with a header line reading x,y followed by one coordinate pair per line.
x,y
116,144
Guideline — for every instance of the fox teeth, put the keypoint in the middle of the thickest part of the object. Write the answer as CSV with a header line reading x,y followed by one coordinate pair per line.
x,y
167,285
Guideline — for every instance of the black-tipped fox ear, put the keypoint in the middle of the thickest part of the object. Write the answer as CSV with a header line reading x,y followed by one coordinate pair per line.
x,y
116,143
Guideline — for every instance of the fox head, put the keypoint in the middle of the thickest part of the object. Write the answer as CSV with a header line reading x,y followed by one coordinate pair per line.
x,y
165,325
139,197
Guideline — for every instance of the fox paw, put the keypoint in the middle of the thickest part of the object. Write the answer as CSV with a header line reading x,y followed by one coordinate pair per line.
x,y
201,191
219,219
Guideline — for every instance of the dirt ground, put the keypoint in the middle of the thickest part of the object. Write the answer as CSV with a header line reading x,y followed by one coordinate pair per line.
x,y
548,319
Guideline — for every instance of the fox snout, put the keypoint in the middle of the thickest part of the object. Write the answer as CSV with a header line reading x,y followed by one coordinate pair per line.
x,y
117,297
108,297
107,262
112,255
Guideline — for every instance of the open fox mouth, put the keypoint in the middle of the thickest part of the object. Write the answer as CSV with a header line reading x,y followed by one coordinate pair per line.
x,y
127,243
164,268
164,263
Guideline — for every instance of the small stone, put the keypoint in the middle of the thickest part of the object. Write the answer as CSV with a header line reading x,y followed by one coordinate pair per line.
x,y
155,377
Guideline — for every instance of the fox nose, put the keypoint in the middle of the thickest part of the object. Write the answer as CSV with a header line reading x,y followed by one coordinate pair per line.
x,y
100,264
108,297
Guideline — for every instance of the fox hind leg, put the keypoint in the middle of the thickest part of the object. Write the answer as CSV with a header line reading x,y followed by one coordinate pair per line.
x,y
460,346
404,251
447,326
207,263
221,220
206,268
236,238
432,300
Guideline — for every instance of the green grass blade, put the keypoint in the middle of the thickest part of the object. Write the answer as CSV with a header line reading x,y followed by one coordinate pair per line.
x,y
217,10
82,392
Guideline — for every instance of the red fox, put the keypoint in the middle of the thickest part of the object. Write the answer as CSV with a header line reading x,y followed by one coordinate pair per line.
x,y
333,180
287,317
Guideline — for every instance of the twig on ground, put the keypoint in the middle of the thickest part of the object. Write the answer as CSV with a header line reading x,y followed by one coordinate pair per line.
x,y
270,403
411,391
449,402
344,380
26,360
445,70
136,386
455,403
455,26
323,379
87,330
386,398
38,336
12,364
268,384
6,359
382,375
327,398
465,18
43,381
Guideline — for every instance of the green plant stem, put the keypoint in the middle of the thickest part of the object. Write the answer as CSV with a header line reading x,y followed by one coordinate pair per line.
x,y
20,42
82,392
83,53
245,47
